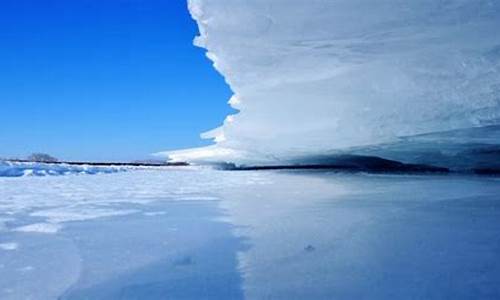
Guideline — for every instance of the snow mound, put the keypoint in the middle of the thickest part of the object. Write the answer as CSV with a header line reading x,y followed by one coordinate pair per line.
x,y
40,228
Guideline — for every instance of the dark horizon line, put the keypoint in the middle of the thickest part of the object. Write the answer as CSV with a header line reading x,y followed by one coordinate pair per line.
x,y
94,163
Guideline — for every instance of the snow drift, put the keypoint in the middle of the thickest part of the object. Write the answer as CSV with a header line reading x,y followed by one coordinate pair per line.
x,y
21,169
311,77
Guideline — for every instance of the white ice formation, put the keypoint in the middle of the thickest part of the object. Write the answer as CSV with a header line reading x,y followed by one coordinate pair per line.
x,y
314,76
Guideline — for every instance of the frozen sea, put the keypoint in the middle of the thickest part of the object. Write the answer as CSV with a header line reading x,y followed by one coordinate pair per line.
x,y
198,233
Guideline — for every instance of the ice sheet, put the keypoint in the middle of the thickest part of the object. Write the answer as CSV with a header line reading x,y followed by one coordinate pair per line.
x,y
201,233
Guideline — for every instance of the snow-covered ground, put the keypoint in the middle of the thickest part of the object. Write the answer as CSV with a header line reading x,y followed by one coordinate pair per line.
x,y
19,169
196,233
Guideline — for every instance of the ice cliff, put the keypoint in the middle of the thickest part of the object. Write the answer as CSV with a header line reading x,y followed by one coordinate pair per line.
x,y
312,77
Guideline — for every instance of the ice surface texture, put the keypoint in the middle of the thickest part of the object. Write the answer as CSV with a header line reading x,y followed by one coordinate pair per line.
x,y
191,233
15,169
129,235
314,76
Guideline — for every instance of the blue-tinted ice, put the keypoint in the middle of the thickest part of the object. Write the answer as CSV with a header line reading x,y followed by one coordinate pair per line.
x,y
198,233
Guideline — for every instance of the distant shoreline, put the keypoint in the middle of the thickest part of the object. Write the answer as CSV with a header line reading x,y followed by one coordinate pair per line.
x,y
346,163
104,164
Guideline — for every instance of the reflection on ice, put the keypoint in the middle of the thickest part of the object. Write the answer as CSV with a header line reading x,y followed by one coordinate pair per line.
x,y
330,236
200,233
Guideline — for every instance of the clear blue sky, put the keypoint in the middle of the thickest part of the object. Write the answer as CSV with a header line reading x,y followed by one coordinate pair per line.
x,y
103,80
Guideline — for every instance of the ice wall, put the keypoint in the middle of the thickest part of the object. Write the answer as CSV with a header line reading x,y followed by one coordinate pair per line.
x,y
311,76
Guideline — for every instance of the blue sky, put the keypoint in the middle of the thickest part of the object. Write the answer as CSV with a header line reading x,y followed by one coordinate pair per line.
x,y
103,80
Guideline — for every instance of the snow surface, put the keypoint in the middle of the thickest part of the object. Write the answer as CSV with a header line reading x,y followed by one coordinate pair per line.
x,y
191,233
8,246
19,169
313,76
